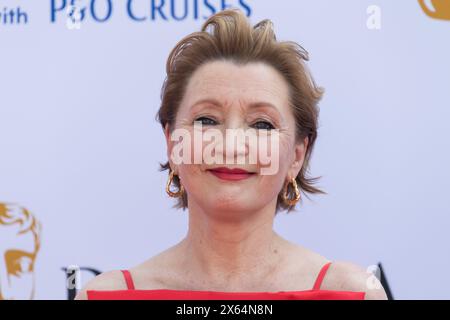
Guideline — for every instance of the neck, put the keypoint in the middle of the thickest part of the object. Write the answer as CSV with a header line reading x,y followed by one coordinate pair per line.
x,y
230,249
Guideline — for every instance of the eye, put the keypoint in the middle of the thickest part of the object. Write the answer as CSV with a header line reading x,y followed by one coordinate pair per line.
x,y
206,121
263,125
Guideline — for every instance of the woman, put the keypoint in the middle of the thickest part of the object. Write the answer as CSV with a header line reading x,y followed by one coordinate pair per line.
x,y
234,76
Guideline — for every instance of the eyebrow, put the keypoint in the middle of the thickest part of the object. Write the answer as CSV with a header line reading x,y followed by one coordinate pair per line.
x,y
216,103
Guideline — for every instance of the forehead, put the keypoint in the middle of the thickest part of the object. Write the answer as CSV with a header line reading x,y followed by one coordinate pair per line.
x,y
228,82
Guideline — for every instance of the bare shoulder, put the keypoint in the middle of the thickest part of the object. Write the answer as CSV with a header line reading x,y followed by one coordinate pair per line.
x,y
108,280
348,276
146,275
157,271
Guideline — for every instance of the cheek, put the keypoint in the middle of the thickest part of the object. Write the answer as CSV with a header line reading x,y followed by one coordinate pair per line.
x,y
190,149
191,176
271,183
276,155
286,150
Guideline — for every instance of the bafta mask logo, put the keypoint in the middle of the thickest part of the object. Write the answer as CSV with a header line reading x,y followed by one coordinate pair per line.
x,y
20,234
437,9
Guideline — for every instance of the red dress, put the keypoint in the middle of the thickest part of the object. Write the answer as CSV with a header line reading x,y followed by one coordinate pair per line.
x,y
168,294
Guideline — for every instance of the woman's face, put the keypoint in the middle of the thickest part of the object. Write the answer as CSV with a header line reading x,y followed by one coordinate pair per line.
x,y
251,98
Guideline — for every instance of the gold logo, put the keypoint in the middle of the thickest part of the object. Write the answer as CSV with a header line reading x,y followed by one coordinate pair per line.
x,y
20,234
440,10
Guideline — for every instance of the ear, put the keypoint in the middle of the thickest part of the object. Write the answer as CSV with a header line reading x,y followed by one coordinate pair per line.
x,y
169,144
299,157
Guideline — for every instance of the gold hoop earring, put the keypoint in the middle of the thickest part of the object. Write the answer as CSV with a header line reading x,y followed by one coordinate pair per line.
x,y
172,194
285,196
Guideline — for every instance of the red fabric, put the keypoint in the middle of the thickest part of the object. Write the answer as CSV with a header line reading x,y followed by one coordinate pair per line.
x,y
213,295
128,279
165,294
319,278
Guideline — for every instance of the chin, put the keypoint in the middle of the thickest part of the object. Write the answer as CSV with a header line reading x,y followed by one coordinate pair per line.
x,y
238,204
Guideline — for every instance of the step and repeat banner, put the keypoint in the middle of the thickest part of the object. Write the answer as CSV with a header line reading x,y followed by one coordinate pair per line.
x,y
80,189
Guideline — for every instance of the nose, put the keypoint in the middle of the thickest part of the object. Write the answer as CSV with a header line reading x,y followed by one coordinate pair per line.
x,y
235,141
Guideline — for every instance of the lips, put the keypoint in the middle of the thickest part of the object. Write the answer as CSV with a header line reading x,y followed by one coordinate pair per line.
x,y
234,174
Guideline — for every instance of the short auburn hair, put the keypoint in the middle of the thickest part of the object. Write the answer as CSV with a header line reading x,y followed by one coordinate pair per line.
x,y
234,39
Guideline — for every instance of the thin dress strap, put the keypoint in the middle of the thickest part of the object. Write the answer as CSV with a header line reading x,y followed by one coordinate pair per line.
x,y
128,279
321,275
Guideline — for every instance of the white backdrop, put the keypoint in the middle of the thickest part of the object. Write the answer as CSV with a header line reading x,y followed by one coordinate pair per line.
x,y
79,146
